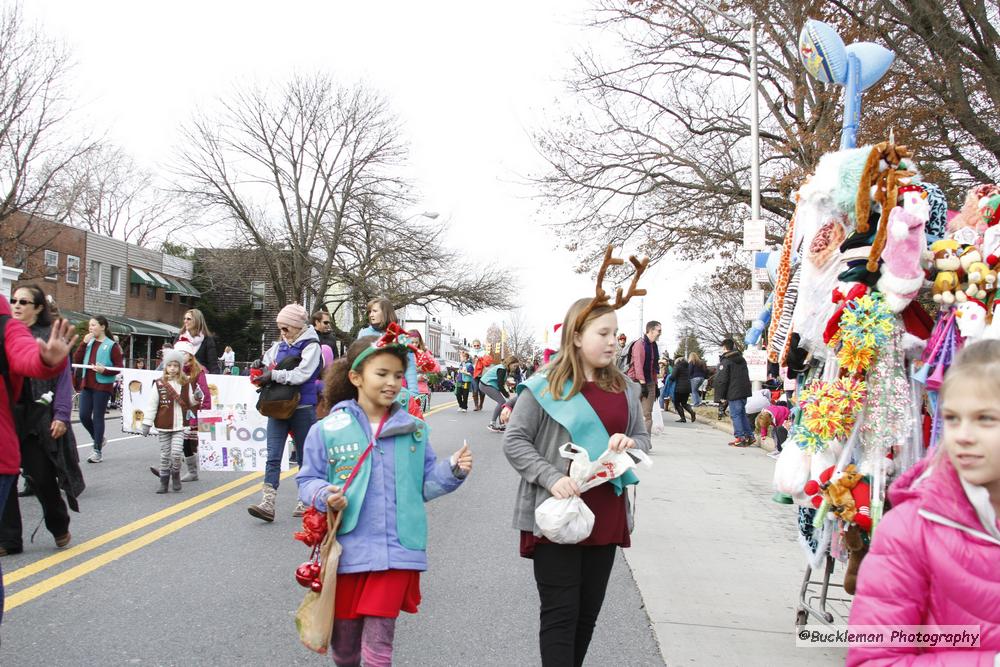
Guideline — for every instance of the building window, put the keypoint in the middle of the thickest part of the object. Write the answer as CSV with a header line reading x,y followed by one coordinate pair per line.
x,y
72,270
135,290
168,296
116,279
150,292
94,275
51,265
257,295
183,299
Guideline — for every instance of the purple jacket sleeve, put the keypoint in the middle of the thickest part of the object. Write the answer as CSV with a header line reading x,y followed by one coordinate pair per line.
x,y
63,401
438,477
206,401
311,477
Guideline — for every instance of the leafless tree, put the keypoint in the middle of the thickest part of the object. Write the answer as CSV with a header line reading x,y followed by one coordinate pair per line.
x,y
109,194
36,147
520,338
283,166
714,311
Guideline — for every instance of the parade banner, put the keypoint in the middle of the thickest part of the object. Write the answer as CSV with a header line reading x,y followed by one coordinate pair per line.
x,y
231,436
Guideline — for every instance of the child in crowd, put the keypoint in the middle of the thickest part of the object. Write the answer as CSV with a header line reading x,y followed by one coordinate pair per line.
x,y
383,529
194,374
494,384
171,398
581,397
380,315
771,421
464,381
934,557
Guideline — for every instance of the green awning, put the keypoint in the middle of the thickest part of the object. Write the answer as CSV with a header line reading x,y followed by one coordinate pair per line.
x,y
73,317
158,278
141,327
140,277
175,287
192,290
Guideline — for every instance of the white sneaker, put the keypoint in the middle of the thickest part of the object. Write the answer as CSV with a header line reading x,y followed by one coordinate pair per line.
x,y
300,509
95,457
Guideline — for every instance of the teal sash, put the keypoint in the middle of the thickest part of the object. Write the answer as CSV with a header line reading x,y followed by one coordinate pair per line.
x,y
578,417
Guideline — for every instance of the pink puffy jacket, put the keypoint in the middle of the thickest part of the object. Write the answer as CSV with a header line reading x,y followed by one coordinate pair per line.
x,y
931,563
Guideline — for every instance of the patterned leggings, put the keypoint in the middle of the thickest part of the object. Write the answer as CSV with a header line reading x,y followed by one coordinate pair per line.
x,y
171,450
368,638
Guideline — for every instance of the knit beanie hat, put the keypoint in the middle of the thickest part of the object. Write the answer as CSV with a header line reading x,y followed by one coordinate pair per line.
x,y
184,346
173,356
293,315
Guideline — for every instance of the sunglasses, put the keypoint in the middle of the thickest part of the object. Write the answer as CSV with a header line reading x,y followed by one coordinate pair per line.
x,y
23,302
283,329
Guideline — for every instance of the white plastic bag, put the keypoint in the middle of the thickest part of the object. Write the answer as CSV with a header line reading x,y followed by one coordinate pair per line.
x,y
569,520
657,420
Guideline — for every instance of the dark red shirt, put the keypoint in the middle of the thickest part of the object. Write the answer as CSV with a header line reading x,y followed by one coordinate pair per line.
x,y
610,515
90,377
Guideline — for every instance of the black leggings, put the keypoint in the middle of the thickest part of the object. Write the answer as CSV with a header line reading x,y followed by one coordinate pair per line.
x,y
462,395
681,403
571,581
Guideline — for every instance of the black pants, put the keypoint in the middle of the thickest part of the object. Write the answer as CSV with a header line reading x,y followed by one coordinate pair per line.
x,y
571,583
681,403
462,395
39,468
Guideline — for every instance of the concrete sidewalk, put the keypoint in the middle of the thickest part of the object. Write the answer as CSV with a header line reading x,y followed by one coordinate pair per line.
x,y
716,560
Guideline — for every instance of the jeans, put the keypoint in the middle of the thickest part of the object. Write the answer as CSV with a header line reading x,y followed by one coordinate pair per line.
x,y
93,407
476,388
6,482
571,582
277,435
696,391
738,413
40,470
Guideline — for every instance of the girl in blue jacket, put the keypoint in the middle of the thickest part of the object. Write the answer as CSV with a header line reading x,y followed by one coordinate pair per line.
x,y
373,443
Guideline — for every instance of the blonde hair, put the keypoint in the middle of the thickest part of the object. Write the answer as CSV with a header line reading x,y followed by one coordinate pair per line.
x,y
568,364
693,358
198,322
979,361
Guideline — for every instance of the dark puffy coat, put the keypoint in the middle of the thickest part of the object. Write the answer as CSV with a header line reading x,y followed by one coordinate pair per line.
x,y
732,382
681,375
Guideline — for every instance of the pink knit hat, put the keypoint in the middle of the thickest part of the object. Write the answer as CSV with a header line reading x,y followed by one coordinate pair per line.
x,y
293,315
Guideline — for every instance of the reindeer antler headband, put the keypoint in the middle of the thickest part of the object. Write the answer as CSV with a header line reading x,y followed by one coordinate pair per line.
x,y
602,298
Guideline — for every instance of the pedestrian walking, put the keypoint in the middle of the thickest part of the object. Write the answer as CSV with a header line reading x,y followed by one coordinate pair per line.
x,y
99,353
228,360
296,360
933,560
194,330
493,382
23,356
192,374
463,381
481,361
623,360
323,323
50,462
645,355
172,397
732,386
698,371
380,315
681,377
667,391
383,527
583,390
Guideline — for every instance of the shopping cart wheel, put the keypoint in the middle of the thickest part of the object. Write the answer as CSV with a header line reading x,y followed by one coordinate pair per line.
x,y
801,618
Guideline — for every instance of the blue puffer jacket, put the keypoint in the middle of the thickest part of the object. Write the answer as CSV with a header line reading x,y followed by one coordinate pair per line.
x,y
374,544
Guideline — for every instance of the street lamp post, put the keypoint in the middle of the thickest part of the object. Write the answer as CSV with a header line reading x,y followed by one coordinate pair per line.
x,y
433,215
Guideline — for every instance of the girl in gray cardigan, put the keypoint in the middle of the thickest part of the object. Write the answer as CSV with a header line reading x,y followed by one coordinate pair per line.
x,y
580,397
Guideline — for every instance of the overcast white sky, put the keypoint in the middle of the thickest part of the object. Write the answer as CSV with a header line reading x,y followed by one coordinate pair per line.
x,y
468,80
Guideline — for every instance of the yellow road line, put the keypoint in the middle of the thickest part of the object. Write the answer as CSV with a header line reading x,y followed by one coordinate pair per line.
x,y
88,566
440,408
101,540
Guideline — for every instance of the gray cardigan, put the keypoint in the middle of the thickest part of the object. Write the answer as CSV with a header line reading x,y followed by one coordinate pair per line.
x,y
531,444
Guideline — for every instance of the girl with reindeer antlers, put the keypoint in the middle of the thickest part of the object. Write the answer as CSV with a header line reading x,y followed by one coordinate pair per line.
x,y
581,396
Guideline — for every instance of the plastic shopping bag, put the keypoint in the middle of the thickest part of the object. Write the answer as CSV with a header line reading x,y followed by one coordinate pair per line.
x,y
657,420
569,520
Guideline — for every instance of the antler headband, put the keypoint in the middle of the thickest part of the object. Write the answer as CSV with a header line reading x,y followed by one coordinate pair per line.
x,y
602,298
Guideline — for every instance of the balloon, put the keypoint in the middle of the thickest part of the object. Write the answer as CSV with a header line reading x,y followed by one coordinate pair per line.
x,y
875,61
822,52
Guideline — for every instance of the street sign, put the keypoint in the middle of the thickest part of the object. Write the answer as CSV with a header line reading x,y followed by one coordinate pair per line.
x,y
760,274
756,364
753,303
754,237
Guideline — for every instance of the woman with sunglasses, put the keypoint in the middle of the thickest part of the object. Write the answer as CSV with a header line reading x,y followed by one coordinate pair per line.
x,y
194,330
298,341
49,458
99,354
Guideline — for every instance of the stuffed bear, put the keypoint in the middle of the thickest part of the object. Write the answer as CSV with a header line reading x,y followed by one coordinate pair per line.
x,y
977,274
947,264
849,495
902,272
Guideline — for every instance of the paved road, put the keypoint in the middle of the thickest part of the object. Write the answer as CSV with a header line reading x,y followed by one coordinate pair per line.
x,y
191,579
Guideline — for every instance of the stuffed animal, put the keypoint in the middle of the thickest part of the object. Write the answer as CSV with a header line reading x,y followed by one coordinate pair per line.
x,y
970,317
971,215
887,168
849,495
977,274
947,264
857,547
902,273
992,331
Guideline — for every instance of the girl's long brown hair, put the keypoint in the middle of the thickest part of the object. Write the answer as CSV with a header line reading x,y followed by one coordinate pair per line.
x,y
388,312
568,365
337,385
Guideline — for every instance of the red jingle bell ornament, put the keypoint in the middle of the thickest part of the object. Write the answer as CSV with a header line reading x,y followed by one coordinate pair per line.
x,y
316,586
304,575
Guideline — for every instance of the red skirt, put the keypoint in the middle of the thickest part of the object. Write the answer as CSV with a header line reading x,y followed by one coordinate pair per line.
x,y
383,594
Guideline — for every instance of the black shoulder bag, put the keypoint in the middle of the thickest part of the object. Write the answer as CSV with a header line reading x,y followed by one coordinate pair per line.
x,y
281,400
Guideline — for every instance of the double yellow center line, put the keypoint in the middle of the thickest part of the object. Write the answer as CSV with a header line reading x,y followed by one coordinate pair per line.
x,y
41,588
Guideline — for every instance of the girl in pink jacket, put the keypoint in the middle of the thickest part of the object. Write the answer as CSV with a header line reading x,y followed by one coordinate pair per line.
x,y
935,557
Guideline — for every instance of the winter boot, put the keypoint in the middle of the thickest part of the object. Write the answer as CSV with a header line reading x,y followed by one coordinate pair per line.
x,y
192,465
265,508
175,477
164,481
